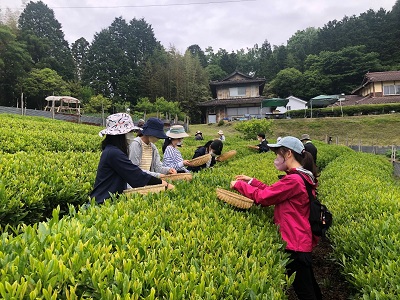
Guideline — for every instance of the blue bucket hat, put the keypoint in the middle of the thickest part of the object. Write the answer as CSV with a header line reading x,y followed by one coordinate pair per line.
x,y
154,127
291,143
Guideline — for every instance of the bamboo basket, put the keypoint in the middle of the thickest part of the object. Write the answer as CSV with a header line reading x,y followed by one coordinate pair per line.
x,y
146,189
252,147
234,199
227,155
201,160
178,176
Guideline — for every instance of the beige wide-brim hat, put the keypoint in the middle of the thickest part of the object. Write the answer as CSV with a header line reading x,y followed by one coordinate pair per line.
x,y
220,132
305,137
176,132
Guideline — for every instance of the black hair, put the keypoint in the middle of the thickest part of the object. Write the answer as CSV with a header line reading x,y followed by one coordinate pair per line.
x,y
167,142
206,145
118,141
262,135
217,146
305,159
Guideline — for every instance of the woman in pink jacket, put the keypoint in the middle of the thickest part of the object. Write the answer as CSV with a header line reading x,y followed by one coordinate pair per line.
x,y
292,209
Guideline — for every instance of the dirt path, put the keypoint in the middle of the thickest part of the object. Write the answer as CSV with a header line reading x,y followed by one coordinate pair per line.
x,y
327,273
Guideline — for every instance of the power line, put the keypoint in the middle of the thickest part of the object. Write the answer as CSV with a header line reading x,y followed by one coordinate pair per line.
x,y
150,5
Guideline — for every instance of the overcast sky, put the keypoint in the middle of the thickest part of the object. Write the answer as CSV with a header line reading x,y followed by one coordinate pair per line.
x,y
227,24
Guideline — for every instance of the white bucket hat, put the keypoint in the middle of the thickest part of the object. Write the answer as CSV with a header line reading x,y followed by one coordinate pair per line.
x,y
176,132
119,123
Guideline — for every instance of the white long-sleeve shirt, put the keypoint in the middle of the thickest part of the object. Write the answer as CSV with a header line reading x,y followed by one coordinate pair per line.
x,y
173,159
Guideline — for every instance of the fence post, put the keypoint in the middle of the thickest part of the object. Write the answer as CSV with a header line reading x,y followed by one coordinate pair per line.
x,y
393,156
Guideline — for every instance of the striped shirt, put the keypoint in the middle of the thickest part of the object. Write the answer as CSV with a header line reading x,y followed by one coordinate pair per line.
x,y
173,159
147,156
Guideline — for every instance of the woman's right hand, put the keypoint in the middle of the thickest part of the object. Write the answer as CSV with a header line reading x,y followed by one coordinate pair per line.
x,y
167,185
243,178
187,163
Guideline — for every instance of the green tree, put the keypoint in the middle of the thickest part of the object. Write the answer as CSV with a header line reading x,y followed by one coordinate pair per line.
x,y
215,72
344,69
117,60
45,40
15,63
301,44
287,82
144,105
79,51
42,83
196,51
98,104
161,106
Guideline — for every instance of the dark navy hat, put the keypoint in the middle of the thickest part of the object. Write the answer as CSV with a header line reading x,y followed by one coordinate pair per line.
x,y
154,127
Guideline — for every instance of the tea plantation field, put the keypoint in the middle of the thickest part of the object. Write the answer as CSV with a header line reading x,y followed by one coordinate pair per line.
x,y
179,244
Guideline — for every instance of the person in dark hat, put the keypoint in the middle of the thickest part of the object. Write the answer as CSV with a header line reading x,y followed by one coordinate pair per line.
x,y
214,147
115,170
144,153
198,136
309,146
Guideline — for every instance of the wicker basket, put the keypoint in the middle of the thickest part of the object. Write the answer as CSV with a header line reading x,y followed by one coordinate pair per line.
x,y
146,189
178,176
199,161
234,199
227,155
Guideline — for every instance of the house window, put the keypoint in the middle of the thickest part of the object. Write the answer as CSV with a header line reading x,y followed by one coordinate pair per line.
x,y
391,90
288,107
237,91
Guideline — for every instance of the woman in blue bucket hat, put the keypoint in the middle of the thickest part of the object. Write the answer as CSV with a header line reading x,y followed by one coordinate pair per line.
x,y
144,153
115,170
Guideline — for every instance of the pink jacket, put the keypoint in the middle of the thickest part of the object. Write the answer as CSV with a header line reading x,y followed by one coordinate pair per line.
x,y
292,207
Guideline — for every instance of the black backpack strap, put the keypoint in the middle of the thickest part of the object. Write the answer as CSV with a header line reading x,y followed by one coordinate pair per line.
x,y
308,187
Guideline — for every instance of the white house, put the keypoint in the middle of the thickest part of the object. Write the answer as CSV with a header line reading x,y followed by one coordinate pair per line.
x,y
293,104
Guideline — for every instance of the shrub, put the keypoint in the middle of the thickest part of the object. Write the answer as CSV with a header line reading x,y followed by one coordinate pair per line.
x,y
251,128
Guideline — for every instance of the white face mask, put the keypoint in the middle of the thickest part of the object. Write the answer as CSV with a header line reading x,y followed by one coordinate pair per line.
x,y
153,139
280,163
130,136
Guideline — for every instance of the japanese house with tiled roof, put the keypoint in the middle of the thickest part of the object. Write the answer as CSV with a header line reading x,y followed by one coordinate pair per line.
x,y
234,97
376,88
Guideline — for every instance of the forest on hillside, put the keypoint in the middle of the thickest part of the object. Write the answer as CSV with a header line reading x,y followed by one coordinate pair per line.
x,y
126,66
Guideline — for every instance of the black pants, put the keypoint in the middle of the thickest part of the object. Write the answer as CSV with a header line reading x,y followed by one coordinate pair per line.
x,y
305,285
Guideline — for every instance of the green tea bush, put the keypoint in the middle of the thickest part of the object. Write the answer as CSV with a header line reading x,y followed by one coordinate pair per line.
x,y
364,197
251,128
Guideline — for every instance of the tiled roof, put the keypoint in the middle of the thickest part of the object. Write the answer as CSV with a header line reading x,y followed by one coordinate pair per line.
x,y
232,101
379,100
383,76
378,77
358,100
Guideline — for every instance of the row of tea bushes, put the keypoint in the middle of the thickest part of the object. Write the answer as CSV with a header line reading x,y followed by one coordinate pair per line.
x,y
33,134
33,183
181,244
364,197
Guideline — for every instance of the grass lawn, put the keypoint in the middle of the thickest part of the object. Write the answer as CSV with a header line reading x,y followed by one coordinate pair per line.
x,y
381,130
